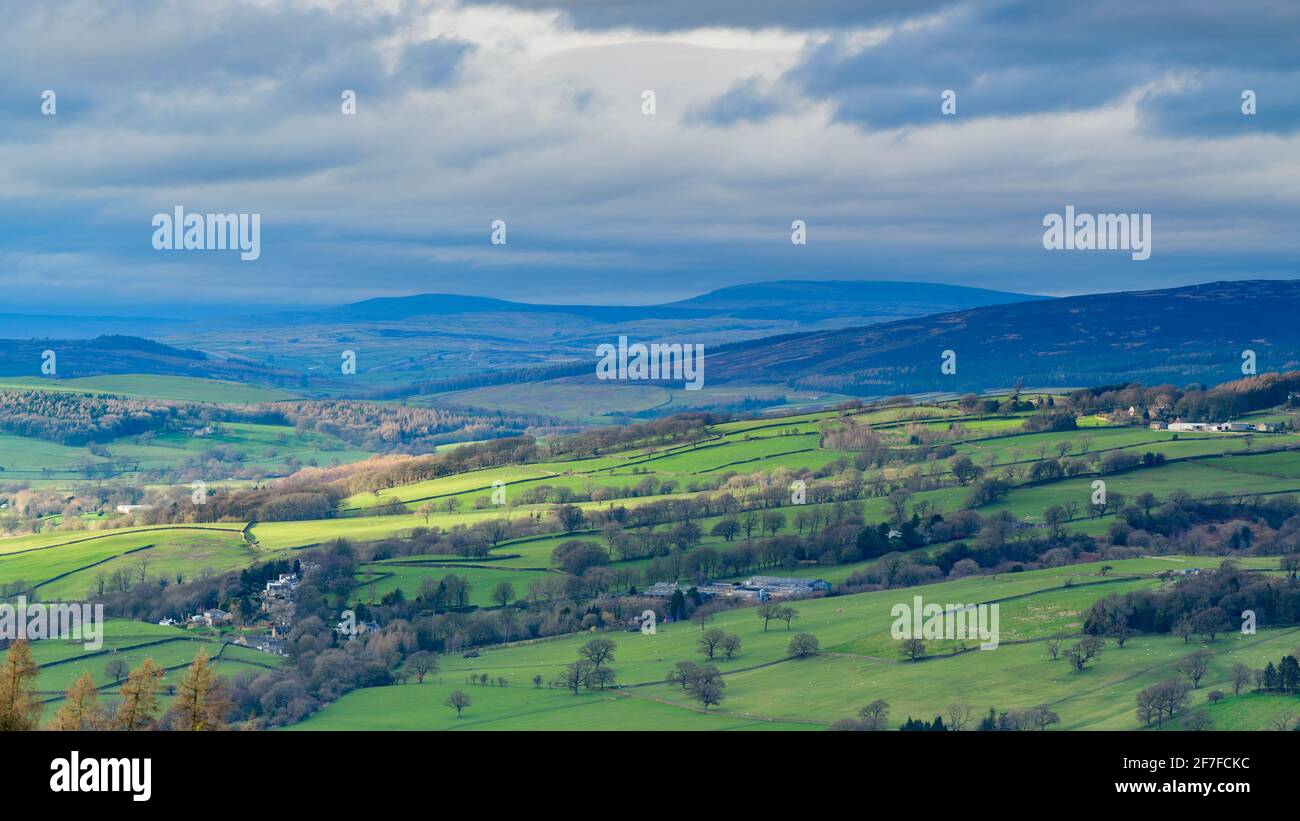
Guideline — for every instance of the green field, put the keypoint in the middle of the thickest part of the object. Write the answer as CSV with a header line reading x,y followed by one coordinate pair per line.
x,y
389,576
520,706
766,689
860,662
174,649
148,386
70,568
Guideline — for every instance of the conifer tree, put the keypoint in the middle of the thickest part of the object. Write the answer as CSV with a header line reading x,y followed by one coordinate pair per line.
x,y
139,698
20,709
81,709
201,701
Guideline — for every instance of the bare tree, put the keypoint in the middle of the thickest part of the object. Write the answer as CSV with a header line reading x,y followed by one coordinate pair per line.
x,y
875,716
1194,666
958,716
422,664
458,701
912,649
709,641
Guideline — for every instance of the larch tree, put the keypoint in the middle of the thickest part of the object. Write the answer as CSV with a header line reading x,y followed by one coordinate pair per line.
x,y
201,700
20,709
81,709
139,705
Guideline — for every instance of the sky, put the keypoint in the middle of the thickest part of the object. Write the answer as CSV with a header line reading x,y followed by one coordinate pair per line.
x,y
532,112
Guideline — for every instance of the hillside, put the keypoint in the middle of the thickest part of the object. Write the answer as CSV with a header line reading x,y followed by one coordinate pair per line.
x,y
116,354
483,548
1178,335
874,301
457,338
787,300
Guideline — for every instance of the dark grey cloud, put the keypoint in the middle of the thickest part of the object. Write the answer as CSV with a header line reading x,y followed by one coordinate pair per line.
x,y
1014,57
173,63
468,115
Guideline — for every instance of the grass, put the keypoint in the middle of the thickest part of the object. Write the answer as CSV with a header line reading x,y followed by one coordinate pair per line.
x,y
766,690
518,706
70,569
149,386
389,576
1248,711
241,447
591,404
858,663
62,662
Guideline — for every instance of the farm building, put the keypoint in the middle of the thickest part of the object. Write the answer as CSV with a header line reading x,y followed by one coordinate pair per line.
x,y
780,587
1213,426
662,590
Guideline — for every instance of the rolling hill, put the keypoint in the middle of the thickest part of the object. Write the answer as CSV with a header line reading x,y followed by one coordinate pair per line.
x,y
115,354
440,337
1177,335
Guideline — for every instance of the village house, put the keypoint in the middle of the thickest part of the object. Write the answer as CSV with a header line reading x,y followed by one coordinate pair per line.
x,y
282,587
212,618
263,643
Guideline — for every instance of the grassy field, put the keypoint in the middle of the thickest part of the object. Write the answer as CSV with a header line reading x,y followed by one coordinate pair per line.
x,y
71,568
1248,711
766,689
389,576
173,648
149,386
519,706
238,447
860,662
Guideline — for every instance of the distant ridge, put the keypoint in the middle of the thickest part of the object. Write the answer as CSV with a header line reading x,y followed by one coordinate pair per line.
x,y
1176,335
827,298
117,354
782,299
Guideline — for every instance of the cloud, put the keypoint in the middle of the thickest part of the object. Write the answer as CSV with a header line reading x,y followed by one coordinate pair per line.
x,y
1015,57
469,113
746,101
681,15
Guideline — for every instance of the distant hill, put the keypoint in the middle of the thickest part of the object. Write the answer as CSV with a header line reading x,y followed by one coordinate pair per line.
x,y
787,300
55,326
814,301
114,354
469,340
1177,335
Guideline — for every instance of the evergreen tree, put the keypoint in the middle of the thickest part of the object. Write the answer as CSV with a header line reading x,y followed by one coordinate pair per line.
x,y
1288,674
677,606
1271,678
